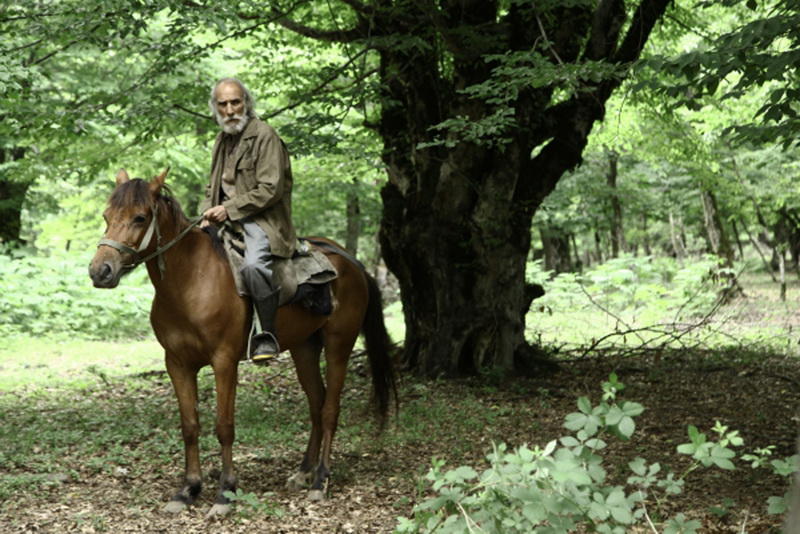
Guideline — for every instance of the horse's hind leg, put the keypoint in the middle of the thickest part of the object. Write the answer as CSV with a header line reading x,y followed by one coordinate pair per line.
x,y
225,375
337,353
306,363
184,381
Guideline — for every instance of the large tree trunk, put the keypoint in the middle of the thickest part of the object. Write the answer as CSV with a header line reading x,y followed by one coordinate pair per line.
x,y
459,256
12,197
456,225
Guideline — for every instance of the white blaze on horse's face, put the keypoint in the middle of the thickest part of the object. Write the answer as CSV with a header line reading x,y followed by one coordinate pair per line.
x,y
128,230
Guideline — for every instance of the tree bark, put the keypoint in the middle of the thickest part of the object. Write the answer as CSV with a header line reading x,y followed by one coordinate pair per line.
x,y
598,247
617,230
678,248
12,198
645,235
715,231
353,219
556,245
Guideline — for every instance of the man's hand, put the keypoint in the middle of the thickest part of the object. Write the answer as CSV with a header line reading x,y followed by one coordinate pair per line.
x,y
216,214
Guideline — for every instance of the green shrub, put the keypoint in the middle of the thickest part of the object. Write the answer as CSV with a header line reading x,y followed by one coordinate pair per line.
x,y
54,295
564,486
646,297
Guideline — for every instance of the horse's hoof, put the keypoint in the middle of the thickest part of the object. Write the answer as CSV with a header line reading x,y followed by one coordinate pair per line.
x,y
175,507
298,481
316,495
218,510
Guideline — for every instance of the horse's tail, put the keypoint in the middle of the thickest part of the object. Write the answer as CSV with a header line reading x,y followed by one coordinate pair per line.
x,y
378,352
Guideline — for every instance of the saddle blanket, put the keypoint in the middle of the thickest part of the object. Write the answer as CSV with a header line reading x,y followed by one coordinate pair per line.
x,y
307,266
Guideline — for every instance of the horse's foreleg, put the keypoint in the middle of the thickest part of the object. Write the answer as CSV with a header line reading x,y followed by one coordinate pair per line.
x,y
306,362
184,381
337,357
225,375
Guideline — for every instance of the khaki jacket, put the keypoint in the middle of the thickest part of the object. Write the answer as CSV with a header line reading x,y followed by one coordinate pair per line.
x,y
263,185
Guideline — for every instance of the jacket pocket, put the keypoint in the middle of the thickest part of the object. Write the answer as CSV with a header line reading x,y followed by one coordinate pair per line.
x,y
246,171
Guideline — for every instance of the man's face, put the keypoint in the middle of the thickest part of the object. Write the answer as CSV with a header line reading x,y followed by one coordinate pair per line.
x,y
230,108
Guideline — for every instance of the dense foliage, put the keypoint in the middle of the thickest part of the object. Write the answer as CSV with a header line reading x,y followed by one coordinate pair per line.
x,y
474,110
53,296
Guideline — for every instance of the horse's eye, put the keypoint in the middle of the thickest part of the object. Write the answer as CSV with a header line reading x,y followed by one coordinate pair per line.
x,y
139,219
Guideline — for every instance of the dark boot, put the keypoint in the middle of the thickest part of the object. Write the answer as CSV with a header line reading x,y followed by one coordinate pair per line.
x,y
264,346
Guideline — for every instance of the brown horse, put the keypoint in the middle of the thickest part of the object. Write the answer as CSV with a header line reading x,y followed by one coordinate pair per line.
x,y
200,320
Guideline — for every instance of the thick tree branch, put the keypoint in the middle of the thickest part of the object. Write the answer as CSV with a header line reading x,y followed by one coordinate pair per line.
x,y
570,122
645,18
606,25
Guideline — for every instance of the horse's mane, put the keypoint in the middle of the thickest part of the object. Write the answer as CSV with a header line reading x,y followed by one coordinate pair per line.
x,y
136,192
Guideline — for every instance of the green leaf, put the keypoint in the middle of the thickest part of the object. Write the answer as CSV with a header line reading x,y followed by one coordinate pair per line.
x,y
632,409
638,466
584,405
575,421
777,505
614,415
626,426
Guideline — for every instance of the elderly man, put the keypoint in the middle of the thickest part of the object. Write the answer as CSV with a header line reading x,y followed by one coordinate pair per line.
x,y
251,184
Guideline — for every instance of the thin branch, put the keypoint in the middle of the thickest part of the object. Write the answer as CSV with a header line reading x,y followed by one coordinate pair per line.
x,y
689,29
337,36
649,521
607,311
330,79
57,50
668,332
193,113
21,47
547,40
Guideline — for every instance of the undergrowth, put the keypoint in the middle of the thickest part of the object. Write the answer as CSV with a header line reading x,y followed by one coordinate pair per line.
x,y
564,486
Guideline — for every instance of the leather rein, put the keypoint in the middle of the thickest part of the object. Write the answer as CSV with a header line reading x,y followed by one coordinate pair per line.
x,y
153,229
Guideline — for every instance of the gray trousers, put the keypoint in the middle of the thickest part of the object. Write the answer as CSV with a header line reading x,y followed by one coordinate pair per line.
x,y
256,268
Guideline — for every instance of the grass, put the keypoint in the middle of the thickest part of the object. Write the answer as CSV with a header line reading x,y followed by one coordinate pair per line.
x,y
35,362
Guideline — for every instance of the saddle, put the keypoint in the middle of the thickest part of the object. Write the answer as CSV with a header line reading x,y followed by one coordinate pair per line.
x,y
304,278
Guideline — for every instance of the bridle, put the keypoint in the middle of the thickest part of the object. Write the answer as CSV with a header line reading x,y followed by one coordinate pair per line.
x,y
152,229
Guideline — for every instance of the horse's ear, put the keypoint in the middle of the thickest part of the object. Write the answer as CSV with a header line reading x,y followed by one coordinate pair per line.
x,y
158,182
122,176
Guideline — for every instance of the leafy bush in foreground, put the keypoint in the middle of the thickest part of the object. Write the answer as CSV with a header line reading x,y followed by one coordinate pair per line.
x,y
40,295
564,486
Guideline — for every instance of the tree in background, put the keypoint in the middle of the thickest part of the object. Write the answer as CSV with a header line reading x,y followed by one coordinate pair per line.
x,y
467,91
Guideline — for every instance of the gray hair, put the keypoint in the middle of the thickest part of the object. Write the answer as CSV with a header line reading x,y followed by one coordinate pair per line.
x,y
249,101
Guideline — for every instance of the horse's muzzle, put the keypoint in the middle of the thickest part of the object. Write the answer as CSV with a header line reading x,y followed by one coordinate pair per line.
x,y
103,275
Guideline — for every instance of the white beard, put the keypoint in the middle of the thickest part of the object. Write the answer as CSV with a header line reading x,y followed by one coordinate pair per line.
x,y
233,128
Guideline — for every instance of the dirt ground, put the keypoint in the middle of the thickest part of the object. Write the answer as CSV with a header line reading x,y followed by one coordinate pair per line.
x,y
377,478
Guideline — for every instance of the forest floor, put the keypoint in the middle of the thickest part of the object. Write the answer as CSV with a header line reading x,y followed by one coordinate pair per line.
x,y
105,456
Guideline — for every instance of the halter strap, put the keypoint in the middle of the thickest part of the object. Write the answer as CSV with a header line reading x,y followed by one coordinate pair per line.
x,y
148,237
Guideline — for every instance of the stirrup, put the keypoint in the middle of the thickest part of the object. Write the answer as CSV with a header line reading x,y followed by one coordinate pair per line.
x,y
264,348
